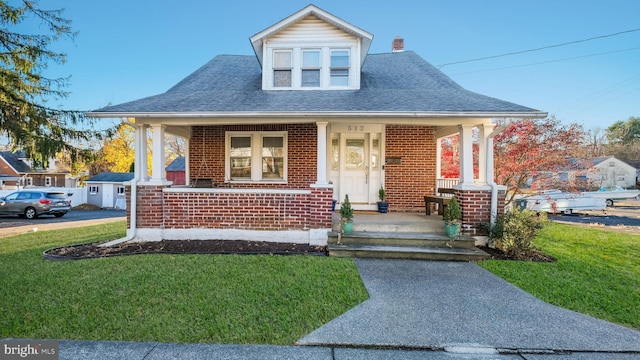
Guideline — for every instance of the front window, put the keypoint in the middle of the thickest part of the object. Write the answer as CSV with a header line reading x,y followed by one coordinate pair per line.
x,y
93,189
120,190
240,157
273,157
257,156
47,181
340,67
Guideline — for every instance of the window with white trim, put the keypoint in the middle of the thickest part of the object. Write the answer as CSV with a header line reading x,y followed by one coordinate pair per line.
x,y
47,181
120,190
310,68
93,189
29,181
340,67
282,66
260,156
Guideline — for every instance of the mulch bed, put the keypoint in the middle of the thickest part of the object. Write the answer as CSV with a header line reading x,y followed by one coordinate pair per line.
x,y
93,250
535,255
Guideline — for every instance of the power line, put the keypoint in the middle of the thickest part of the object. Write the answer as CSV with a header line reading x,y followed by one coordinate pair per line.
x,y
538,49
546,62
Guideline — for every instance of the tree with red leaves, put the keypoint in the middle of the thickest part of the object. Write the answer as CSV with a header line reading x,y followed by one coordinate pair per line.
x,y
535,149
450,157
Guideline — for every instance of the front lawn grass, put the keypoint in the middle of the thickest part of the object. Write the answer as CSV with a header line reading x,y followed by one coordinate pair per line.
x,y
168,298
597,272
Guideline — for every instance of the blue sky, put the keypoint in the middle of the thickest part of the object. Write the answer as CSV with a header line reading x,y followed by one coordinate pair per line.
x,y
126,50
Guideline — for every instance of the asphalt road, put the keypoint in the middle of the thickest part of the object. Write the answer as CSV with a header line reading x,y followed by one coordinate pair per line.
x,y
623,216
12,225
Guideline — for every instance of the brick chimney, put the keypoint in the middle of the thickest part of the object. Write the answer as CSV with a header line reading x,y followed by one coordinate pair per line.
x,y
397,45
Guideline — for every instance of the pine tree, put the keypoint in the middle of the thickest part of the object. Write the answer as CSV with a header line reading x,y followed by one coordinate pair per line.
x,y
26,118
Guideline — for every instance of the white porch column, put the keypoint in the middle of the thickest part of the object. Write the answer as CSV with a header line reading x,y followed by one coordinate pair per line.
x,y
157,148
466,154
485,131
322,153
438,158
140,166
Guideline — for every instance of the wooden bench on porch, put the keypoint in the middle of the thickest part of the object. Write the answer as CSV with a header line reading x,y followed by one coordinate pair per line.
x,y
442,199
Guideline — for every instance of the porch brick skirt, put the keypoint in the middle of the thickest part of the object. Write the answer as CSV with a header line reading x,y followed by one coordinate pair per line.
x,y
247,209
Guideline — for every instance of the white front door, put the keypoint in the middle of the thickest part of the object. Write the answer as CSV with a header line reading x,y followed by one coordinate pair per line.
x,y
356,168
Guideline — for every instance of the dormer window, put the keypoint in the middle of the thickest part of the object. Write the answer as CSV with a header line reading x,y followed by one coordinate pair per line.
x,y
339,67
310,68
282,65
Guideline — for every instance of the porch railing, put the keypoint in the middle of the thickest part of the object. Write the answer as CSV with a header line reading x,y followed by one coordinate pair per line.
x,y
445,184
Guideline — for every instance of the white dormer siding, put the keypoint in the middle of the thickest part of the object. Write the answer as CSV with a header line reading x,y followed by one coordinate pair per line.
x,y
311,55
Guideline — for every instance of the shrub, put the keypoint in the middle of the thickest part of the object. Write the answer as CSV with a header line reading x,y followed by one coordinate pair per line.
x,y
452,213
515,232
346,211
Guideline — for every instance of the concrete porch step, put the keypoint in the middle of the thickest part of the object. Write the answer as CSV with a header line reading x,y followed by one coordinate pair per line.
x,y
403,239
406,252
429,246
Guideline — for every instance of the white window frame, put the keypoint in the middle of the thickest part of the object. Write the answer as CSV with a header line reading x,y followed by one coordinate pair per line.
x,y
304,68
120,190
47,181
29,181
256,156
297,68
94,189
288,68
340,68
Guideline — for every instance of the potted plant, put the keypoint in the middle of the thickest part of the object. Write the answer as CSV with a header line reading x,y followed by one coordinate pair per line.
x,y
452,218
346,216
383,206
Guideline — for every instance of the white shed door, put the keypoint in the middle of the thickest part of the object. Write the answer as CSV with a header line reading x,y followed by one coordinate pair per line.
x,y
107,196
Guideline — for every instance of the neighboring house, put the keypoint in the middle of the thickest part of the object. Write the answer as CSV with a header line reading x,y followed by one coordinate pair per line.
x,y
311,117
107,189
610,172
591,174
16,171
176,171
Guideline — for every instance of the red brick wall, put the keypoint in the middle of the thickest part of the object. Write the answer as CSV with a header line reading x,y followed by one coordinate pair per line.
x,y
414,177
207,159
476,208
227,210
150,207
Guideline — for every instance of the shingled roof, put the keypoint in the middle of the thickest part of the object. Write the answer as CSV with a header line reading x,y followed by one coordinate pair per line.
x,y
13,159
391,84
115,177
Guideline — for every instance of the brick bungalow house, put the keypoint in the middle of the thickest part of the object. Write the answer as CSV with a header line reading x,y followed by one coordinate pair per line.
x,y
311,117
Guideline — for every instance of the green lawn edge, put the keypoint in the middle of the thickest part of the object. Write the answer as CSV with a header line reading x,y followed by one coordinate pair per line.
x,y
597,272
233,299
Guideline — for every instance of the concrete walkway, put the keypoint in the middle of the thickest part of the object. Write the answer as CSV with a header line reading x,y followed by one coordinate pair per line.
x,y
441,305
418,310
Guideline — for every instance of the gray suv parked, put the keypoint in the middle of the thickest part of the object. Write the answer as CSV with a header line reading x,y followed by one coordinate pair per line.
x,y
33,203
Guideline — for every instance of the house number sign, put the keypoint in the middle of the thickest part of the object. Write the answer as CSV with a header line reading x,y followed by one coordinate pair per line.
x,y
356,128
